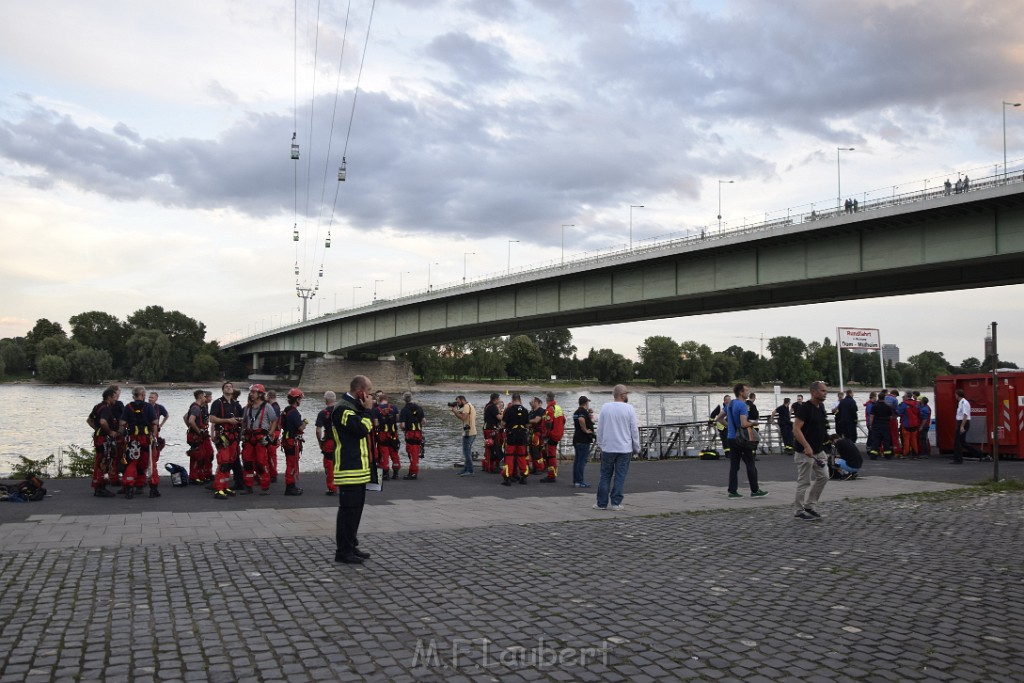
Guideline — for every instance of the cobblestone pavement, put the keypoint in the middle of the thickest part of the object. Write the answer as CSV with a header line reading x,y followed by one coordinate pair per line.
x,y
885,589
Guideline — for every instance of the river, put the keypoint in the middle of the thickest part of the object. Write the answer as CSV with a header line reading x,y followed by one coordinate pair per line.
x,y
40,420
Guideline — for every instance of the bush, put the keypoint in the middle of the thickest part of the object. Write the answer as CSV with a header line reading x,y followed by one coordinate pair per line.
x,y
27,467
53,369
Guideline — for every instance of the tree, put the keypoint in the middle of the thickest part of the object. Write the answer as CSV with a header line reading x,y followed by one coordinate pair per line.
x,y
12,351
100,331
427,363
3,366
485,358
42,329
788,362
55,346
524,358
659,359
609,367
149,352
53,369
724,369
204,366
186,336
89,366
969,366
555,347
928,365
695,361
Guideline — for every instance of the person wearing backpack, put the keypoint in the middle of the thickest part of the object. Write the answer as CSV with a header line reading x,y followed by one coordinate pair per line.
x,y
740,449
139,424
197,436
411,419
292,427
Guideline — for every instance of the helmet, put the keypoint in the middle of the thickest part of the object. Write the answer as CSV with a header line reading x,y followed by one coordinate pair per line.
x,y
258,388
295,393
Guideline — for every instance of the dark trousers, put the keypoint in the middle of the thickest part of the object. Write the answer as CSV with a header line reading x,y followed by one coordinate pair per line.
x,y
960,444
786,434
351,498
847,428
738,452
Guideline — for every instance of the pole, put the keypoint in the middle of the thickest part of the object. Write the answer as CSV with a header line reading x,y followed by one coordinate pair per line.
x,y
996,412
839,357
564,226
881,359
631,207
464,255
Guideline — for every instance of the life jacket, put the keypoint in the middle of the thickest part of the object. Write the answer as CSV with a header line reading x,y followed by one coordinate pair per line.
x,y
134,416
230,430
253,427
413,426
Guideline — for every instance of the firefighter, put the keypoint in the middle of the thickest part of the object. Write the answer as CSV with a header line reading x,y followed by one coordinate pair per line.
x,y
291,428
879,430
516,420
326,440
492,430
554,427
275,438
259,423
910,421
226,416
784,419
139,425
104,438
537,435
892,399
158,444
197,436
411,419
924,446
351,429
385,431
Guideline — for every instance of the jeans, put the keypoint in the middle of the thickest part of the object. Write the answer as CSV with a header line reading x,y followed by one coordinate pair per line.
x,y
616,464
467,452
842,464
737,453
578,465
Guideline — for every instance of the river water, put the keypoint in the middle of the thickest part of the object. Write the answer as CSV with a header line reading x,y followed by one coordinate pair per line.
x,y
39,420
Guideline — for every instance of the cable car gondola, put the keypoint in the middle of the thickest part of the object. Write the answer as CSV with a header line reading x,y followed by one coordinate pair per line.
x,y
327,243
295,233
341,171
295,148
296,267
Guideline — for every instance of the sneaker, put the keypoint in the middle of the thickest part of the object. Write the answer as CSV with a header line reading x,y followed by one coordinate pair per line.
x,y
465,474
583,485
598,507
813,513
803,515
221,495
330,493
735,495
759,494
408,476
618,508
230,492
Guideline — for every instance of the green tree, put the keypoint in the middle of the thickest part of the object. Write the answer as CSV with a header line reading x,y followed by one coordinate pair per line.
x,y
55,346
910,375
524,358
788,362
204,366
53,369
13,353
485,358
969,366
695,361
42,330
3,366
928,364
724,368
89,366
149,352
609,367
100,331
186,336
555,347
659,359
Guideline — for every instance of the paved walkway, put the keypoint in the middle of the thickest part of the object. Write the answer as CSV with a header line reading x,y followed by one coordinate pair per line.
x,y
529,584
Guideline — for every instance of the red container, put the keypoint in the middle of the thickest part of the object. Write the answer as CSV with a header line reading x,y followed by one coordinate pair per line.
x,y
978,392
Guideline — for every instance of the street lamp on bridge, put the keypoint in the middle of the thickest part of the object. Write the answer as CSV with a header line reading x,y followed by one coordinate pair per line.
x,y
839,182
631,207
400,274
1005,105
510,243
564,226
354,288
464,255
375,289
429,264
720,183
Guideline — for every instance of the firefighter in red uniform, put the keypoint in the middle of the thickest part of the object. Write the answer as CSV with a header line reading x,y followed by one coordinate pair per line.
x,y
139,425
259,422
197,436
226,416
516,420
158,444
554,421
492,431
538,431
291,429
411,419
325,438
385,430
104,440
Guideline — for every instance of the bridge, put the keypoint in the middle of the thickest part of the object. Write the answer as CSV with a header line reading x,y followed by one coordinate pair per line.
x,y
926,241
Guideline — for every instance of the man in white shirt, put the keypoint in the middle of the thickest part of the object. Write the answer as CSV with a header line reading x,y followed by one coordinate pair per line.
x,y
963,425
619,438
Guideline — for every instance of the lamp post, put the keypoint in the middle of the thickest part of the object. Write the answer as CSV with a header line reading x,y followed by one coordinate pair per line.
x,y
510,243
354,288
464,255
720,183
375,289
1005,105
400,274
429,265
839,181
631,207
564,226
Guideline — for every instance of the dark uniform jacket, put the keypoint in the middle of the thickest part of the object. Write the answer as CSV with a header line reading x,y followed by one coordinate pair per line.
x,y
351,426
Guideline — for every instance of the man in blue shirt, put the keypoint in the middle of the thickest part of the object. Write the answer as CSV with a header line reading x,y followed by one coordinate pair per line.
x,y
740,450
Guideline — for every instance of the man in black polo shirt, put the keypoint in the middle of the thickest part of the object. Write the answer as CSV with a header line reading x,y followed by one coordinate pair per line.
x,y
810,431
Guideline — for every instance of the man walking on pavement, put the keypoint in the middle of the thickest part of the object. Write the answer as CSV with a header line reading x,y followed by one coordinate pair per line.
x,y
619,438
810,431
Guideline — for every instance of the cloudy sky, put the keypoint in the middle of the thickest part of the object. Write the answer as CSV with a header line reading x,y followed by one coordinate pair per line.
x,y
144,147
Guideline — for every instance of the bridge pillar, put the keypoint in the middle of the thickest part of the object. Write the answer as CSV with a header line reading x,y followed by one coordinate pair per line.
x,y
291,364
255,362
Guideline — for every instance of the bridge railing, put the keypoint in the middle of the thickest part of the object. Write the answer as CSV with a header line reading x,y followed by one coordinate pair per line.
x,y
870,200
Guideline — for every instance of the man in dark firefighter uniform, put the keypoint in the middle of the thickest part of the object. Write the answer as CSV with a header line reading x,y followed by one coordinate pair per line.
x,y
492,436
275,438
718,420
292,428
197,436
351,429
325,437
554,428
139,424
104,438
259,422
158,444
879,431
385,431
412,421
516,420
537,434
226,416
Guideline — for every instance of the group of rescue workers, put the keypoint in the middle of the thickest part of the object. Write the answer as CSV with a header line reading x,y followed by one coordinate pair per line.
x,y
233,449
895,429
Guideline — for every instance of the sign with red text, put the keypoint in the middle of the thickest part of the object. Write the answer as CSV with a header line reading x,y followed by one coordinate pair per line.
x,y
858,338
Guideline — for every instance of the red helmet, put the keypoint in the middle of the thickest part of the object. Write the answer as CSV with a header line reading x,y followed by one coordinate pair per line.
x,y
295,393
259,388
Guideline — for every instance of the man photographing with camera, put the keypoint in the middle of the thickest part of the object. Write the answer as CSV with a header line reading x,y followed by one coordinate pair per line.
x,y
466,413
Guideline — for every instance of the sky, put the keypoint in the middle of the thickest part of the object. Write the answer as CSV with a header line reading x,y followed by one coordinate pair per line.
x,y
144,147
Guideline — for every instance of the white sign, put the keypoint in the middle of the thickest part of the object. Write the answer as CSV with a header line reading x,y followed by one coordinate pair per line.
x,y
858,338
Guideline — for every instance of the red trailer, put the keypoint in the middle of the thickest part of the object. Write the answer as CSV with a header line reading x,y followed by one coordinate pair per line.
x,y
978,392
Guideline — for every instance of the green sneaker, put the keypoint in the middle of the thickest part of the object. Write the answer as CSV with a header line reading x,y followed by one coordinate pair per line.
x,y
759,494
735,495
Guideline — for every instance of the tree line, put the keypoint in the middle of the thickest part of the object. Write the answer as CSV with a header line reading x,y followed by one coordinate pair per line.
x,y
152,345
664,361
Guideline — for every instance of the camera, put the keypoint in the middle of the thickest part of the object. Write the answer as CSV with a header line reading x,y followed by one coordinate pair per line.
x,y
454,404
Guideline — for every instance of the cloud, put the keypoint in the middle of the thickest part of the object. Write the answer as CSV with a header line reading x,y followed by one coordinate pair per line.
x,y
473,61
